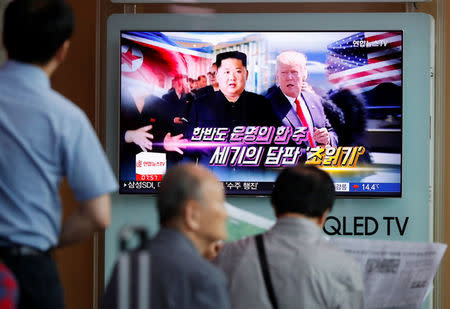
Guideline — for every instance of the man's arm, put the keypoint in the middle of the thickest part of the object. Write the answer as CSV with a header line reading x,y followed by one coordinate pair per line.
x,y
324,135
92,216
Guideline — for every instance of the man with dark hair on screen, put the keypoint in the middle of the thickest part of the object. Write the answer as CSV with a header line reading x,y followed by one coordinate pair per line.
x,y
212,77
192,215
305,270
44,138
213,84
232,105
193,84
297,108
202,81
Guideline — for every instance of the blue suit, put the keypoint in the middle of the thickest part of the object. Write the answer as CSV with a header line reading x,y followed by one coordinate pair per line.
x,y
288,116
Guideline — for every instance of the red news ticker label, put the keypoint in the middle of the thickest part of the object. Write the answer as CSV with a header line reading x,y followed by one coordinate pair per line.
x,y
140,177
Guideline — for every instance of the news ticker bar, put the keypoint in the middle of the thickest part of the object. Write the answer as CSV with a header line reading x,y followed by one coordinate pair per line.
x,y
366,187
260,188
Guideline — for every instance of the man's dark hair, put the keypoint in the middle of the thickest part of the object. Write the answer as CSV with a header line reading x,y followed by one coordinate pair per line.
x,y
35,29
231,54
180,184
305,190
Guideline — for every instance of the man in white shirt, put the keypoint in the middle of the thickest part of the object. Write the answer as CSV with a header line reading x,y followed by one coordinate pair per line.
x,y
306,271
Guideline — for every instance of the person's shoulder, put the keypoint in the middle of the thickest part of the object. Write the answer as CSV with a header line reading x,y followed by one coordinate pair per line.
x,y
153,99
273,93
254,96
205,91
232,252
64,109
207,97
170,95
205,101
154,102
336,262
191,266
260,101
312,97
239,245
166,97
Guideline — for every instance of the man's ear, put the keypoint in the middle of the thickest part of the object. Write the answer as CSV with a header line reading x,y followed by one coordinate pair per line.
x,y
246,74
323,218
62,51
192,214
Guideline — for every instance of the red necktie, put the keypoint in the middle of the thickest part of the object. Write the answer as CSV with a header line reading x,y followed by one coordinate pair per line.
x,y
302,117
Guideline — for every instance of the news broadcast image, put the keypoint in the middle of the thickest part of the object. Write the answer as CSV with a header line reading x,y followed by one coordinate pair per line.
x,y
175,107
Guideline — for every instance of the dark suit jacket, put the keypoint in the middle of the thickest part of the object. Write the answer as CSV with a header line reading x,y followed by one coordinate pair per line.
x,y
214,110
205,90
287,115
176,107
180,277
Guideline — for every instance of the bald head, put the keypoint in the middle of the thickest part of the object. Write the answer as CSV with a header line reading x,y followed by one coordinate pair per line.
x,y
181,184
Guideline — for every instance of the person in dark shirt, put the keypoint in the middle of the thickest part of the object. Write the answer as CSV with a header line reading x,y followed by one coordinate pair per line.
x,y
177,107
202,81
213,84
145,126
231,106
172,114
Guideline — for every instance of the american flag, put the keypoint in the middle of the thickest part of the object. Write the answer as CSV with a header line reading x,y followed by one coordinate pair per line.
x,y
364,60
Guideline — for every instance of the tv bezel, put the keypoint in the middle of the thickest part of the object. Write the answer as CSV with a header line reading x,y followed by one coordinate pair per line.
x,y
289,22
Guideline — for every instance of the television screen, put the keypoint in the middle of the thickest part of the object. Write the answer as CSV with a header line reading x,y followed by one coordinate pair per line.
x,y
246,104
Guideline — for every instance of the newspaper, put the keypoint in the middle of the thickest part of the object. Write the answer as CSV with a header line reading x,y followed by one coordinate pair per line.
x,y
396,274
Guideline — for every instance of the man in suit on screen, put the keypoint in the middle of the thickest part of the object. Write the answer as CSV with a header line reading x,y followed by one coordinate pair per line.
x,y
297,108
232,105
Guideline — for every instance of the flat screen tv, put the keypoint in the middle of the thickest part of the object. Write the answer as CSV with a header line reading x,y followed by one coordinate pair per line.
x,y
162,102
